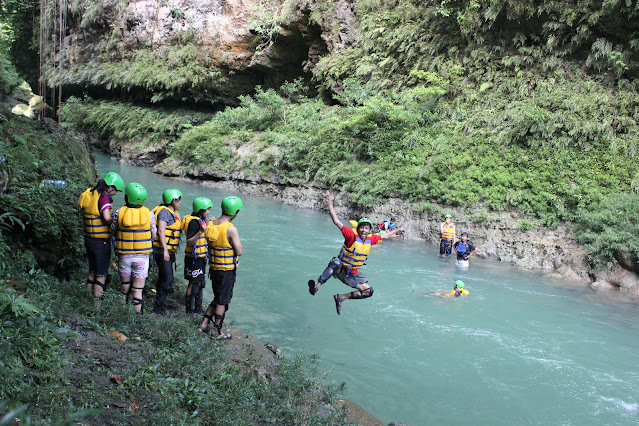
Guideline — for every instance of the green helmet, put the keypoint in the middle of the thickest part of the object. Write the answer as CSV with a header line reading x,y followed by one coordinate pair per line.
x,y
170,194
363,221
231,205
460,284
447,216
135,194
201,203
114,179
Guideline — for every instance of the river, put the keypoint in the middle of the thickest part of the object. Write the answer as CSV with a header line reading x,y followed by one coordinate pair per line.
x,y
522,348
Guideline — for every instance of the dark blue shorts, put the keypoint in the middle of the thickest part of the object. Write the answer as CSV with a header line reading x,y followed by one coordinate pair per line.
x,y
445,246
99,254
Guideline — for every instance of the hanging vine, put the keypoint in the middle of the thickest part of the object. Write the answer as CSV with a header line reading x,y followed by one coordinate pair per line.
x,y
53,30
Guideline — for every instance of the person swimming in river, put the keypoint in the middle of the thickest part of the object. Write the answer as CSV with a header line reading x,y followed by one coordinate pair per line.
x,y
345,267
458,290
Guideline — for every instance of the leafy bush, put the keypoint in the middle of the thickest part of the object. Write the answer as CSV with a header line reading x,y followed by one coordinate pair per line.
x,y
9,78
609,229
128,122
41,223
28,348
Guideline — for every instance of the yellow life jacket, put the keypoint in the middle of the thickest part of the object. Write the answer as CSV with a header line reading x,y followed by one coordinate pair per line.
x,y
201,248
94,224
463,292
134,231
221,254
172,233
449,232
355,256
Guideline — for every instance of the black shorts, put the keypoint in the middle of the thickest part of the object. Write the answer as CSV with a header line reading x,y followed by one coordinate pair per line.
x,y
223,283
194,269
99,254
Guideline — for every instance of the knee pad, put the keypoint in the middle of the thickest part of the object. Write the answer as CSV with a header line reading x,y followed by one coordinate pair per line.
x,y
363,294
221,318
333,266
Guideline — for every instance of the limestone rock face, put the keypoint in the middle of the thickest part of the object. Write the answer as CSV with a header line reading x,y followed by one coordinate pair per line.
x,y
238,44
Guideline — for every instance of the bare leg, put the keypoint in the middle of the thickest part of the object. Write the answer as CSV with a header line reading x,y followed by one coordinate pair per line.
x,y
98,287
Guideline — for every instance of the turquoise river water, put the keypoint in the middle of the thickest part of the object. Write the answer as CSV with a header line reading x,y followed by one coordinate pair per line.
x,y
520,349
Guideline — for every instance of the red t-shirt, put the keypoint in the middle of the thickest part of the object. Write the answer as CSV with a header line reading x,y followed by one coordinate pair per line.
x,y
349,239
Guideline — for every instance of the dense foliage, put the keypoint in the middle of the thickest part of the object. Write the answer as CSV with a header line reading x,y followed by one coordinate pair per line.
x,y
128,122
34,214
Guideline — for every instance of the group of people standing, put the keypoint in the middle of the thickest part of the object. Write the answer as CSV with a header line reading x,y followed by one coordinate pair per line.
x,y
448,243
136,232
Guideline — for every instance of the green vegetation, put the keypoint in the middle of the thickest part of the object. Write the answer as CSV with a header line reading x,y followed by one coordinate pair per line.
x,y
166,373
127,122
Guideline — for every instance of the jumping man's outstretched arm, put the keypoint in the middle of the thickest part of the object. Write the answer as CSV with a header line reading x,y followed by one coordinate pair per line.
x,y
331,210
393,233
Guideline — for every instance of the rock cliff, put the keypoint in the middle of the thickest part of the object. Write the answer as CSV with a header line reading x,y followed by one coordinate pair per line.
x,y
196,50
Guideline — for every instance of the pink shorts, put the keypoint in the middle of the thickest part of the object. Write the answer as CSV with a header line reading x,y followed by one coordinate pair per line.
x,y
134,265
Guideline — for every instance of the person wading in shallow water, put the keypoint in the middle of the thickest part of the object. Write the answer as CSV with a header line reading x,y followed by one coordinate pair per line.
x,y
224,249
345,267
96,206
448,236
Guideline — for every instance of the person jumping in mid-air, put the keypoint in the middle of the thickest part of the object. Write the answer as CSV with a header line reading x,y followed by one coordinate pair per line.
x,y
345,267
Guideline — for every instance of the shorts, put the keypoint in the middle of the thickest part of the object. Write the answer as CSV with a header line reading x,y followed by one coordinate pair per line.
x,y
194,269
99,254
223,283
462,264
352,279
445,246
137,266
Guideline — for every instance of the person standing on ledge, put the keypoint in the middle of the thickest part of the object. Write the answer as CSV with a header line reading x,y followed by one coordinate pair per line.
x,y
345,267
447,236
134,229
195,254
224,249
166,244
96,206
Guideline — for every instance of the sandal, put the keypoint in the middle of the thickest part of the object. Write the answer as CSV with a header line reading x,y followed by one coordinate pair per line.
x,y
313,287
204,329
223,336
338,303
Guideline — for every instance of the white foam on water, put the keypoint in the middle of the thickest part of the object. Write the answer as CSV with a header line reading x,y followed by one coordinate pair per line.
x,y
630,407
